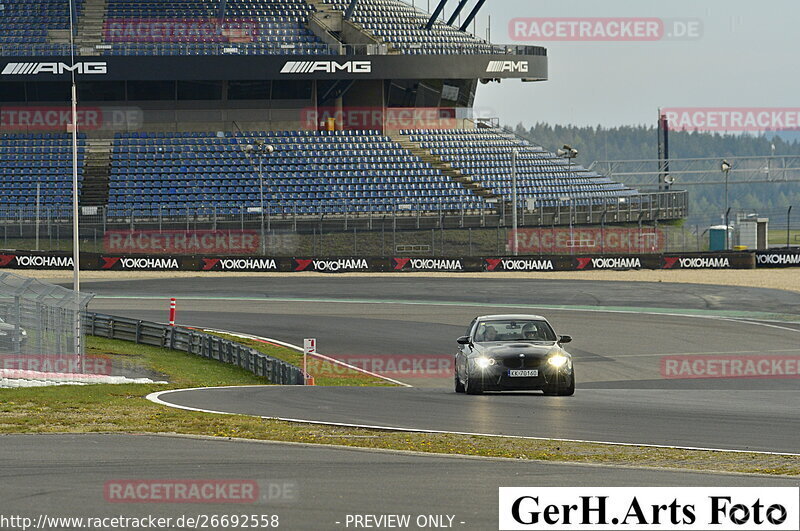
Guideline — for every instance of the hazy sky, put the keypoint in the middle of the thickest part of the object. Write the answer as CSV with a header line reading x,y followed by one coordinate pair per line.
x,y
747,57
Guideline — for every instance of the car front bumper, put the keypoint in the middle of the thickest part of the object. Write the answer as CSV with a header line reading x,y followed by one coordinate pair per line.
x,y
496,378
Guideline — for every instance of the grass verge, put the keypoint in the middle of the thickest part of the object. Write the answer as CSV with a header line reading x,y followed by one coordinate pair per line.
x,y
123,409
325,373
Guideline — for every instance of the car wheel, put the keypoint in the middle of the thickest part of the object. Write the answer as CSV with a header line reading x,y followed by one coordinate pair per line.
x,y
459,385
472,386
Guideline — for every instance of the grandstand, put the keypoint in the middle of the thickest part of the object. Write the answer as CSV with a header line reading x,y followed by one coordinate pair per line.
x,y
179,89
401,27
30,28
196,28
311,173
43,160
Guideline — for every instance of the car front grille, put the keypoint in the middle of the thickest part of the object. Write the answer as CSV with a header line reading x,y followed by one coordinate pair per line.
x,y
522,363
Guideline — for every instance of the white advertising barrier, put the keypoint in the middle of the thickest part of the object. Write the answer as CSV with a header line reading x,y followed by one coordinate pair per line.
x,y
652,509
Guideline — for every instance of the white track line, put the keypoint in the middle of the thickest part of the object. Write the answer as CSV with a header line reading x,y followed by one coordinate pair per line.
x,y
757,323
156,398
668,312
317,355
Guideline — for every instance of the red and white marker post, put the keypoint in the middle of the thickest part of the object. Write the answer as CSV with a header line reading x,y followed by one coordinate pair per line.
x,y
309,349
172,308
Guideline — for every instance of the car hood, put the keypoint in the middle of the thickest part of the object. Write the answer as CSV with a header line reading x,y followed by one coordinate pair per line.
x,y
540,349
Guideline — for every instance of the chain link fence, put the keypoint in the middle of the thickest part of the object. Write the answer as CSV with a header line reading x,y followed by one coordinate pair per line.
x,y
40,325
564,229
442,232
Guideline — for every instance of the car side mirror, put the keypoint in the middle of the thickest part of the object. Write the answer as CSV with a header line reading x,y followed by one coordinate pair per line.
x,y
463,340
565,339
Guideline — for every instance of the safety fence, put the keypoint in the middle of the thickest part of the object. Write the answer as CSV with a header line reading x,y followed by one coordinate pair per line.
x,y
40,321
31,260
194,342
339,229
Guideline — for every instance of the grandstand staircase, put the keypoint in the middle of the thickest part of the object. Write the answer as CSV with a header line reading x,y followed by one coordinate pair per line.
x,y
445,167
90,27
96,172
331,18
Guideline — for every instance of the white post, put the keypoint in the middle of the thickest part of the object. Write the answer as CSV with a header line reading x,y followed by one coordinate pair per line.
x,y
309,348
261,199
75,235
514,155
38,204
76,280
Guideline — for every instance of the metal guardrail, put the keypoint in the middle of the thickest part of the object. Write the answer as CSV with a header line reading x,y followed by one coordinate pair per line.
x,y
193,342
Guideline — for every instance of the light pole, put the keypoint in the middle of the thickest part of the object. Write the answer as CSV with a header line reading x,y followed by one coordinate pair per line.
x,y
76,242
567,199
569,153
260,148
726,169
514,155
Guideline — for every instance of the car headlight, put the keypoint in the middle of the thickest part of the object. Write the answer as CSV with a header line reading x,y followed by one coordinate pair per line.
x,y
482,363
558,361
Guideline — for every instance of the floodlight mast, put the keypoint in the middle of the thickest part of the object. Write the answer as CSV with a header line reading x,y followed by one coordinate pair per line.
x,y
76,258
74,121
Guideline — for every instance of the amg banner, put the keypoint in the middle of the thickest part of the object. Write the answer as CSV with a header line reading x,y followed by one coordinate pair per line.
x,y
235,65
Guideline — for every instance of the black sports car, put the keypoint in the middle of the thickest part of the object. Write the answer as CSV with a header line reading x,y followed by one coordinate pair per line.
x,y
8,334
513,353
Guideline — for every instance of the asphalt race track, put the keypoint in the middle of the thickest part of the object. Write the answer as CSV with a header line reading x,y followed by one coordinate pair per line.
x,y
307,487
621,331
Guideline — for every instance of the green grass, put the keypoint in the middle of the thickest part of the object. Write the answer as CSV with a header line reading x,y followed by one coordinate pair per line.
x,y
182,369
123,409
324,373
778,237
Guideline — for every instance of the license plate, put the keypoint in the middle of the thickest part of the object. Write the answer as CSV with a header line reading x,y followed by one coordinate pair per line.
x,y
523,373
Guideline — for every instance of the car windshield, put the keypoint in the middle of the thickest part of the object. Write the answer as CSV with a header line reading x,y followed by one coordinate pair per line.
x,y
522,330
